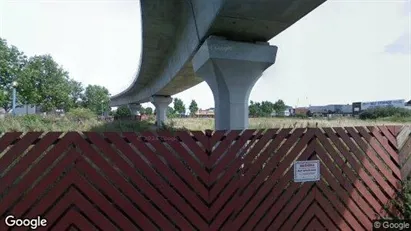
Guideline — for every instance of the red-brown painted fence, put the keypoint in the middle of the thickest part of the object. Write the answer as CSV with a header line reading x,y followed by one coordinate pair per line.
x,y
236,180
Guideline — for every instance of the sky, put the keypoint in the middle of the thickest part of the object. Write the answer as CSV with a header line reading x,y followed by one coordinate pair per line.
x,y
342,52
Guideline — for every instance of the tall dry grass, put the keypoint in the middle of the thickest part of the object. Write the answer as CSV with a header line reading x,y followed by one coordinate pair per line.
x,y
69,123
264,123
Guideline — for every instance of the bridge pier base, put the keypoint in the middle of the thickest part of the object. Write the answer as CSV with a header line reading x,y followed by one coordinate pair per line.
x,y
161,103
134,108
231,69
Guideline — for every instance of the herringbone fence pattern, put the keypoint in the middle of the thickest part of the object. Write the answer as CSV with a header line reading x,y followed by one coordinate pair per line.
x,y
234,180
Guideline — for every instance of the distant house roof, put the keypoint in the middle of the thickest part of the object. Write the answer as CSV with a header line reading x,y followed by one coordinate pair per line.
x,y
408,103
209,111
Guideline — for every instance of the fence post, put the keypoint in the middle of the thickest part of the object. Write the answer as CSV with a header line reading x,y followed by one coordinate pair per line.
x,y
404,151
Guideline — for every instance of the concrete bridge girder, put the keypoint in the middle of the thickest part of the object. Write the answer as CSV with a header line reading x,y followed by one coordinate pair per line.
x,y
174,30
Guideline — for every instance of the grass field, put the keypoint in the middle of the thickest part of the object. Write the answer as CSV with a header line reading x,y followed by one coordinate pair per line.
x,y
264,123
64,124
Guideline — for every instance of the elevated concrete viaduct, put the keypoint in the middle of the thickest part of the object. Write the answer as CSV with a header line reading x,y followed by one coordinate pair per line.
x,y
223,42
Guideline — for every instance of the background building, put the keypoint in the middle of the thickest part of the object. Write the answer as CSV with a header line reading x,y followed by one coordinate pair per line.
x,y
358,107
205,113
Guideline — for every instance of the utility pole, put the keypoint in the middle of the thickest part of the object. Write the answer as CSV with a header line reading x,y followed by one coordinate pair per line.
x,y
14,97
102,108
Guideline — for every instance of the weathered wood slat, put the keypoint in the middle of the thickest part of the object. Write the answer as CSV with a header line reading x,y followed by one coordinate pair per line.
x,y
224,180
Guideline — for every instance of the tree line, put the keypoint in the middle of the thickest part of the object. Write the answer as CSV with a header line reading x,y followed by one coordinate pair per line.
x,y
178,109
266,108
256,109
41,81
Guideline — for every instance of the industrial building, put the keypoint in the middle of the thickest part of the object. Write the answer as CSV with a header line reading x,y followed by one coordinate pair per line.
x,y
336,109
349,109
358,107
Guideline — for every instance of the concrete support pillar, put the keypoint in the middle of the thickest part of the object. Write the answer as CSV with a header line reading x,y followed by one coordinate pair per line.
x,y
231,69
161,103
134,108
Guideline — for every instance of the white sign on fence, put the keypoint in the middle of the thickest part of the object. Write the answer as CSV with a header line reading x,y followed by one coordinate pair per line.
x,y
306,171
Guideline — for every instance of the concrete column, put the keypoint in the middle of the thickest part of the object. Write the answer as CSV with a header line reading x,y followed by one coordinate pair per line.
x,y
161,103
231,69
134,108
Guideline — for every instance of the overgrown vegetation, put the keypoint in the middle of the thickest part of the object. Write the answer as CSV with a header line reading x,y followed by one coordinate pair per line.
x,y
82,119
201,124
402,202
123,111
81,114
387,113
79,120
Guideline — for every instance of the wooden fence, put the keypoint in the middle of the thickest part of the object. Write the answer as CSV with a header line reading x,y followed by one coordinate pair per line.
x,y
236,180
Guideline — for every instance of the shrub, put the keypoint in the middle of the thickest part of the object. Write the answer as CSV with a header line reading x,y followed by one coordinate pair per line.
x,y
384,112
405,198
81,114
122,112
123,126
402,201
301,116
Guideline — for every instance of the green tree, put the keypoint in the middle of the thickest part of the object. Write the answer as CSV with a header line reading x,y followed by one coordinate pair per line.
x,y
267,108
45,84
280,106
179,107
97,98
255,109
147,111
76,93
12,62
171,113
123,111
193,107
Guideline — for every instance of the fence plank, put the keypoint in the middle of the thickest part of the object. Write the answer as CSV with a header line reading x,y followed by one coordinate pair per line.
x,y
366,163
178,185
356,169
222,180
75,218
136,194
6,140
28,159
17,149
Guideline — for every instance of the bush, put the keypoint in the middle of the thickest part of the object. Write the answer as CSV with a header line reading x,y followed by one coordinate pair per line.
x,y
123,126
405,198
81,114
384,112
402,202
122,112
45,123
301,116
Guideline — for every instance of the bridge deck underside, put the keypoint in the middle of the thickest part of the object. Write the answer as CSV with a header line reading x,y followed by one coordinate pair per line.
x,y
239,20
